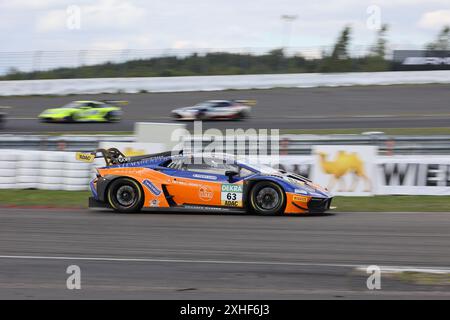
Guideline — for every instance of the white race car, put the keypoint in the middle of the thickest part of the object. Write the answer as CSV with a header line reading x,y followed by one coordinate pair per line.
x,y
215,110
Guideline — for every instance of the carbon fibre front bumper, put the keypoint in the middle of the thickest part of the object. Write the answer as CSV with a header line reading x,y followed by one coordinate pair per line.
x,y
94,203
319,204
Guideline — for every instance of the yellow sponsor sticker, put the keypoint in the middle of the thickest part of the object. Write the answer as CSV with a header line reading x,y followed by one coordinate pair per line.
x,y
85,157
301,198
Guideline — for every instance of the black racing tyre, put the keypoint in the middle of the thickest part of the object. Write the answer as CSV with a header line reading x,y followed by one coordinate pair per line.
x,y
176,116
69,118
201,115
240,116
267,198
125,195
110,117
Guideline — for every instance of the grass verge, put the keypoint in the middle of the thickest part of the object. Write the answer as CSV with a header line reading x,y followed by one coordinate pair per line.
x,y
393,204
78,199
87,133
422,278
389,131
45,198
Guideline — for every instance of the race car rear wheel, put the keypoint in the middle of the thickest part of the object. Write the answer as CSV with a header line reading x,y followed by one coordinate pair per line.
x,y
125,195
201,115
267,198
240,116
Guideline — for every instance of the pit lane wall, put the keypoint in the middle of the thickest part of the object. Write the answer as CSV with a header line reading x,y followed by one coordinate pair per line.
x,y
214,83
341,172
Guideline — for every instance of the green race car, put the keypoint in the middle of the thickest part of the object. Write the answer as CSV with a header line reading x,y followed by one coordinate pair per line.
x,y
85,111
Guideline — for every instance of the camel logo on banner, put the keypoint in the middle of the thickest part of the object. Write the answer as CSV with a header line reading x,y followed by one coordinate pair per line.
x,y
345,170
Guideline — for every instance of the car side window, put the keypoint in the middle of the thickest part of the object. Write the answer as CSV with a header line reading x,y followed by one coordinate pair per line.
x,y
222,104
176,164
209,166
243,172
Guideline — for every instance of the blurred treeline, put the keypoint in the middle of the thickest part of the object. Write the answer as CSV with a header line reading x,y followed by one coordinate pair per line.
x,y
222,63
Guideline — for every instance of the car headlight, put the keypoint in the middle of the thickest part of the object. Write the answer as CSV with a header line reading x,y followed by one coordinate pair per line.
x,y
300,191
305,189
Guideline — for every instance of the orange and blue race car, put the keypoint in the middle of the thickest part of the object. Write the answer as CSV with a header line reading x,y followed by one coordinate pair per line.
x,y
198,182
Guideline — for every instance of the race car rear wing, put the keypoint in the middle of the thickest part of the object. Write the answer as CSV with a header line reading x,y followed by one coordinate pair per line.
x,y
250,103
113,156
121,102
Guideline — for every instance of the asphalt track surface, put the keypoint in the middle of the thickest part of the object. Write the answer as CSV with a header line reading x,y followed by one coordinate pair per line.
x,y
306,108
210,256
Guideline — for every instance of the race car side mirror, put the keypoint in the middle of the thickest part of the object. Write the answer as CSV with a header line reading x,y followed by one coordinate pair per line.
x,y
230,174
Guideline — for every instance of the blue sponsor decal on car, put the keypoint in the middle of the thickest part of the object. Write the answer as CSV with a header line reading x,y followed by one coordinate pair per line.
x,y
93,190
204,176
150,186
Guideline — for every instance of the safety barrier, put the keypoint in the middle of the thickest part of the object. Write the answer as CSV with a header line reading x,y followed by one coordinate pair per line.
x,y
50,170
289,144
58,143
213,83
301,144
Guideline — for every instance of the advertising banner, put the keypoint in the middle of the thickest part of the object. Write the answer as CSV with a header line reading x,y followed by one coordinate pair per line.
x,y
413,175
421,59
345,170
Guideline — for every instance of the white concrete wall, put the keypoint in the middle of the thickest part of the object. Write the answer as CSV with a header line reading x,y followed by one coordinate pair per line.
x,y
210,83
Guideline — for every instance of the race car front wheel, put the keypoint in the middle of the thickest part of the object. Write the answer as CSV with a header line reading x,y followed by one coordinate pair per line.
x,y
69,118
267,198
112,117
125,195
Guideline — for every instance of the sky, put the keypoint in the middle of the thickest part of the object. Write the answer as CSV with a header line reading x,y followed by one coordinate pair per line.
x,y
28,25
177,24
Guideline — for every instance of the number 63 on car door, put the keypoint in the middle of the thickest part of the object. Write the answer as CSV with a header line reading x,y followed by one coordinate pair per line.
x,y
231,195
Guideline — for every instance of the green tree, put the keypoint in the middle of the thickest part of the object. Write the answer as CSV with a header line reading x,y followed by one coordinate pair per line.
x,y
340,49
379,48
339,60
442,42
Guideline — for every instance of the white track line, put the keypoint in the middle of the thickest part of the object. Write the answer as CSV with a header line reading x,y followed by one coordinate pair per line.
x,y
305,264
178,261
399,269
